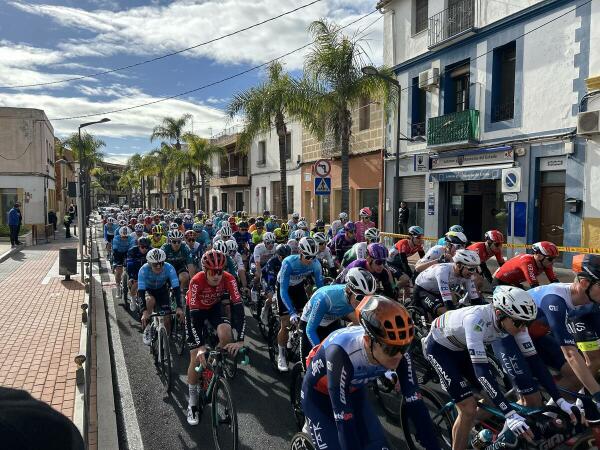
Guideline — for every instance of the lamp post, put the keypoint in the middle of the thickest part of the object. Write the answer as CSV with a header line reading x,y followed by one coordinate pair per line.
x,y
371,71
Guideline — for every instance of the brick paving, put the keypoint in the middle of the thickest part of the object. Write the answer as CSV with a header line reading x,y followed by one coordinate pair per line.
x,y
40,324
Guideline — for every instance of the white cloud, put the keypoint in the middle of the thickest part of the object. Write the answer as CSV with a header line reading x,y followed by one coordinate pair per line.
x,y
214,101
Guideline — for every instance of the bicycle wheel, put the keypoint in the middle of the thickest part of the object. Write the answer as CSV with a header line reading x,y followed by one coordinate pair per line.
x,y
165,359
295,393
302,441
124,280
389,400
230,365
272,342
440,417
178,336
224,417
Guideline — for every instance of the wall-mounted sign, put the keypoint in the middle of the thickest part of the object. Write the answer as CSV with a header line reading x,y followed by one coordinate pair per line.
x,y
322,168
476,157
552,163
431,204
421,162
511,180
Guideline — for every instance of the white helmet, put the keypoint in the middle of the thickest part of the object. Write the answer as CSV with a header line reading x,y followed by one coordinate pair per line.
x,y
139,227
231,246
174,226
293,243
302,225
226,231
122,223
467,258
124,231
269,238
515,303
295,216
372,234
320,237
298,234
111,220
216,239
308,246
175,234
360,281
343,216
156,255
220,246
120,216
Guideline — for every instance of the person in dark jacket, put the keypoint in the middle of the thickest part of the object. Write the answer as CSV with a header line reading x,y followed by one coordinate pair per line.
x,y
403,216
67,223
14,224
52,219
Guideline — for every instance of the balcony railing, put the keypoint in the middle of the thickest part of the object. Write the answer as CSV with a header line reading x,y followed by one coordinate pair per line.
x,y
459,127
417,129
503,111
456,19
233,172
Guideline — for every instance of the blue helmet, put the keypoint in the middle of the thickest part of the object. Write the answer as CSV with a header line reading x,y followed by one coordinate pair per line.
x,y
350,226
457,229
416,230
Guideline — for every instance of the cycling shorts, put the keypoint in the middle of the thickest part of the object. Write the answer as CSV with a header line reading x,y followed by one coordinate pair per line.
x,y
179,268
109,237
118,258
299,298
427,301
133,269
586,331
162,297
195,328
322,332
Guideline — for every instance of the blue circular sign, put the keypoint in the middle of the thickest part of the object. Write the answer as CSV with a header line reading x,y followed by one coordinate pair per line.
x,y
511,180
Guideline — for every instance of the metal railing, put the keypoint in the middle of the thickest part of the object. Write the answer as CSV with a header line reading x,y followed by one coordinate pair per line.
x,y
417,129
235,172
452,21
503,111
454,127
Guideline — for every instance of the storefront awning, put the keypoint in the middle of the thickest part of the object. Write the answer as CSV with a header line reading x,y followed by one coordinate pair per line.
x,y
469,174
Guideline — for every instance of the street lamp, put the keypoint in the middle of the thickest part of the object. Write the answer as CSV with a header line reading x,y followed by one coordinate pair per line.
x,y
371,71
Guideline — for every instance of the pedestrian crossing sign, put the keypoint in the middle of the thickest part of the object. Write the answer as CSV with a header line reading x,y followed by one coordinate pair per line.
x,y
322,186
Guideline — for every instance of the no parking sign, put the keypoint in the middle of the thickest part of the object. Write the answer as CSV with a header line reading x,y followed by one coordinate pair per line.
x,y
511,180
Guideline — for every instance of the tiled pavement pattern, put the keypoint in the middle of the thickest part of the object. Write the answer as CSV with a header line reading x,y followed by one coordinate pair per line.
x,y
40,323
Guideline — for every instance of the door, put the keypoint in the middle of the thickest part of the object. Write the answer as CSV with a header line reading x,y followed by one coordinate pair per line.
x,y
224,206
239,201
552,207
471,216
276,198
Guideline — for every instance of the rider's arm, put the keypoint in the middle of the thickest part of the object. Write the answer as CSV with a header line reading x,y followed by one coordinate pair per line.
x,y
142,289
444,288
529,271
318,273
386,282
106,232
551,275
319,307
237,309
485,271
284,283
405,266
174,280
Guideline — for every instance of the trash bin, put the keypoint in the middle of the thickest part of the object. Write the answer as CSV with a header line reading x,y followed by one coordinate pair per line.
x,y
67,262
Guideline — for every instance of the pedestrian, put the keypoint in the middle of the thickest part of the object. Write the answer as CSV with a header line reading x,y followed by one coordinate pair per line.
x,y
403,216
67,223
14,224
72,210
52,219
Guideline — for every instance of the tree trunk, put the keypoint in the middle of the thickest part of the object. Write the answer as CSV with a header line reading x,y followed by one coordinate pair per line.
x,y
282,133
149,202
180,201
143,192
160,192
192,200
203,199
345,153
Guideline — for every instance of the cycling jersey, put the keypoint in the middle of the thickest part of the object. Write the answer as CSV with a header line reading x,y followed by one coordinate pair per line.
x,y
270,225
339,245
262,253
326,305
109,230
158,243
257,237
195,251
203,239
523,268
121,245
135,260
135,236
486,253
361,227
243,241
336,226
280,236
270,271
293,243
293,272
237,260
147,279
325,258
292,224
358,251
399,253
440,279
211,231
433,254
180,259
384,277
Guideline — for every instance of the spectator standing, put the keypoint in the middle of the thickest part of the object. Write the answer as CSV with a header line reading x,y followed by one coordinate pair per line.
x,y
15,219
403,216
67,223
52,219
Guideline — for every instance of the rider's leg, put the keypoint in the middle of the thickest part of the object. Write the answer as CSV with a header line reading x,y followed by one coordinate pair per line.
x,y
184,280
464,422
118,274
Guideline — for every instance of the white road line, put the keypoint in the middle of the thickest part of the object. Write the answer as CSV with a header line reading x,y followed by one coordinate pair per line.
x,y
52,273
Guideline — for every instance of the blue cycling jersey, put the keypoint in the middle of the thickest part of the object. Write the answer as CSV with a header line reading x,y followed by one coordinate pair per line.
x,y
122,245
270,270
147,279
109,229
294,272
554,304
325,306
203,238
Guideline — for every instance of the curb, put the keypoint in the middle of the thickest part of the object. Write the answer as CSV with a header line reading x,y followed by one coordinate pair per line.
x,y
4,256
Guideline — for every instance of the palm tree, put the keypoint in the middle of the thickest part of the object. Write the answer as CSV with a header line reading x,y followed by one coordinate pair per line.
x,y
264,106
129,182
134,164
148,169
102,179
333,83
171,130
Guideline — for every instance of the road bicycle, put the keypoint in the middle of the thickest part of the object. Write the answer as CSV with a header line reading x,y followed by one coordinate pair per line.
x,y
302,441
293,343
160,347
215,391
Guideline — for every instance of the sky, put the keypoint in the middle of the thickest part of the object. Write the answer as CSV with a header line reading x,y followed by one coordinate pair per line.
x,y
54,40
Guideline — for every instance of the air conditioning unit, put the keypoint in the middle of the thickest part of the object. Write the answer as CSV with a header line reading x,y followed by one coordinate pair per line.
x,y
429,79
588,123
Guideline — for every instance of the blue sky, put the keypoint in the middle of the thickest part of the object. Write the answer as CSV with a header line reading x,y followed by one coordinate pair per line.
x,y
42,41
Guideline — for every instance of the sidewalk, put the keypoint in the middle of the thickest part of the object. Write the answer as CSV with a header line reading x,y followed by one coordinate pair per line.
x,y
40,319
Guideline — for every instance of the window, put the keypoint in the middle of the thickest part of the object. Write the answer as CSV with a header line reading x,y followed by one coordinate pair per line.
x,y
263,194
503,82
419,108
8,198
456,92
420,22
290,199
214,203
239,201
288,146
364,114
262,154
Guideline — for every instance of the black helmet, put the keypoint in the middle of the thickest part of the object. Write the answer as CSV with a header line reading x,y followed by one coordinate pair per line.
x,y
587,266
320,223
284,250
144,241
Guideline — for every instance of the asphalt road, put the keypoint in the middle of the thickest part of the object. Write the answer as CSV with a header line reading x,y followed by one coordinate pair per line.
x,y
265,419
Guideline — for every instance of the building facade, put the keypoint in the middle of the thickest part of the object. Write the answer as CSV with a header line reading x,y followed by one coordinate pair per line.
x,y
491,86
27,164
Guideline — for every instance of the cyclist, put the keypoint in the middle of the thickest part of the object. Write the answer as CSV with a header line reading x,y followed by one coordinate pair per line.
x,y
527,267
136,258
155,277
202,237
138,232
491,246
209,228
324,255
221,246
194,247
158,239
399,254
455,346
337,225
454,240
180,257
374,263
334,393
232,252
434,286
120,246
318,228
359,250
188,222
205,301
224,233
233,224
109,232
364,223
453,229
342,242
269,278
148,224
293,222
291,294
257,234
303,226
271,223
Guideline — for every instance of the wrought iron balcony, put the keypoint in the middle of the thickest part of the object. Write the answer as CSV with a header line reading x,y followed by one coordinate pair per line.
x,y
503,111
231,177
417,129
453,128
456,20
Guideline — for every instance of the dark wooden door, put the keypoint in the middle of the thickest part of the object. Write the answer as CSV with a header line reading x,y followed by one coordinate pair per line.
x,y
551,213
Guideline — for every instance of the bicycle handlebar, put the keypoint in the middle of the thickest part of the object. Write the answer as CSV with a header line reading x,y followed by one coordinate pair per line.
x,y
218,354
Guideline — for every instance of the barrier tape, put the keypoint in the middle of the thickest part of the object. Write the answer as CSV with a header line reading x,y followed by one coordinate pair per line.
x,y
505,245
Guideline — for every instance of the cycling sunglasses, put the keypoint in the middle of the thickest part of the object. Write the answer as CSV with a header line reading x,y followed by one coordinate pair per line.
x,y
243,230
521,323
214,272
359,297
308,257
143,247
379,262
550,258
158,264
470,269
393,350
176,242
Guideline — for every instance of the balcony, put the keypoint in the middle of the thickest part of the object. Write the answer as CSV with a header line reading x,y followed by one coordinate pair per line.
x,y
454,128
230,178
457,20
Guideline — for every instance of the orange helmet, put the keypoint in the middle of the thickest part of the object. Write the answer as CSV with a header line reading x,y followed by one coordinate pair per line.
x,y
385,320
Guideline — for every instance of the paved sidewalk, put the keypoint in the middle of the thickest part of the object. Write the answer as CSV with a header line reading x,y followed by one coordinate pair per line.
x,y
40,319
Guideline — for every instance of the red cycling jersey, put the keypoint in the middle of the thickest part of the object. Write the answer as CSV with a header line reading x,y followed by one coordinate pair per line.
x,y
405,246
203,296
485,254
522,268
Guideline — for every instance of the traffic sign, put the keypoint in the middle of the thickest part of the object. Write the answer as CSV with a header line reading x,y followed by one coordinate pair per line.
x,y
511,197
322,186
511,180
322,168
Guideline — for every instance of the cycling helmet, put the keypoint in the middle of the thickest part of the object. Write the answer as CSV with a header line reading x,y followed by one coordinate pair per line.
x,y
365,212
187,218
587,266
178,221
296,216
456,237
285,228
343,216
386,321
174,226
111,220
231,246
372,234
208,223
284,250
298,234
320,224
273,217
416,230
139,227
308,246
197,227
231,220
456,229
269,238
260,223
144,242
122,223
266,213
377,251
124,231
226,231
140,218
175,234
467,258
545,248
243,224
515,303
220,246
217,238
494,236
157,229
120,216
191,232
156,255
360,281
320,237
350,226
244,214
213,260
302,225
133,221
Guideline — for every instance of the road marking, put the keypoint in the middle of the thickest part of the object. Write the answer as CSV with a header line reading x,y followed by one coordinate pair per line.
x,y
52,273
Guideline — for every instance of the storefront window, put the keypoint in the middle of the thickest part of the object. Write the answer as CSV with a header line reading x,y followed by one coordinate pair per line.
x,y
323,208
417,213
8,197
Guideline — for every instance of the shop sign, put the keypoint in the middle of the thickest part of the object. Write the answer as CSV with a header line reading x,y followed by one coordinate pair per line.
x,y
421,163
466,175
475,158
431,204
552,163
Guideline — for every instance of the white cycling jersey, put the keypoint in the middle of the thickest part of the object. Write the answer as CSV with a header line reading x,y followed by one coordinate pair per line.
x,y
237,259
441,279
433,254
325,258
262,254
293,243
360,250
336,225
